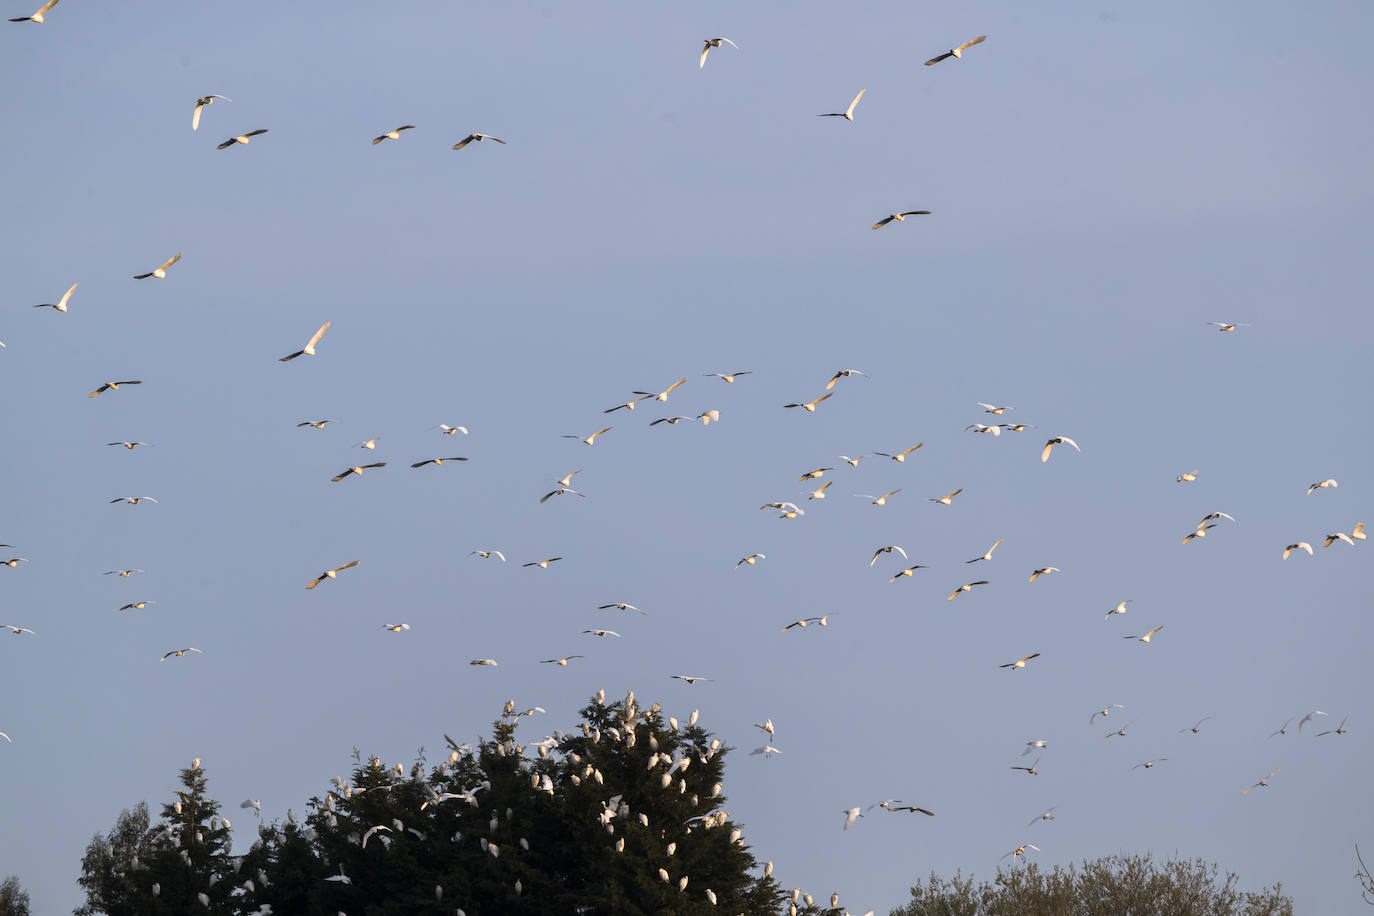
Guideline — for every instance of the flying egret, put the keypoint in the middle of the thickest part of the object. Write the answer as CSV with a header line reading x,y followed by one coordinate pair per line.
x,y
17,631
1197,726
309,348
242,138
13,562
1043,571
810,406
1229,326
619,606
1150,764
853,462
132,500
395,627
560,662
483,662
129,445
314,424
1338,536
1021,662
1046,815
880,500
848,113
1056,440
671,421
161,272
201,103
38,16
802,624
988,555
909,571
137,605
488,554
958,54
450,430
751,559
663,395
852,815
899,217
180,652
1032,769
1119,733
332,573
1338,730
542,564
1119,609
112,386
1186,478
819,492
994,409
984,428
1263,783
1146,637
1106,711
122,573
394,134
767,751
843,373
728,378
1300,545
947,499
604,633
713,43
590,440
1308,718
1322,485
1199,532
438,461
811,475
888,549
478,138
61,304
357,469
966,587
628,405
691,679
900,457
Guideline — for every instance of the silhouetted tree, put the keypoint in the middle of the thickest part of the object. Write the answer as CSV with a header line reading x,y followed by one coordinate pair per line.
x,y
14,900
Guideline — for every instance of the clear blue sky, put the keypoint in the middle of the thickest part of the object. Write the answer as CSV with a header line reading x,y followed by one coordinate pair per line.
x,y
1104,180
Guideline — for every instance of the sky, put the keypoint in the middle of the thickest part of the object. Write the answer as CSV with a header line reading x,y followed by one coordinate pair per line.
x,y
1103,179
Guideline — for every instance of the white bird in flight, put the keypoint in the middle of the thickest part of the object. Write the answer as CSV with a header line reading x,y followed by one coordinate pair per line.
x,y
161,272
888,549
1049,446
137,605
1030,770
591,440
948,498
1146,637
122,573
309,348
713,43
851,815
129,445
879,500
1338,730
1020,851
988,555
848,113
751,559
17,631
994,409
1119,609
727,377
1105,711
484,663
957,53
112,386
478,138
450,430
1043,571
1186,478
1308,718
899,217
1046,815
767,751
843,373
357,469
900,457
984,428
561,662
38,16
392,134
242,138
13,562
439,461
619,606
1322,485
689,678
332,573
61,304
1197,726
1263,783
966,587
810,406
605,633
180,652
395,627
909,571
663,395
201,103
132,500
1229,326
802,624
542,564
1300,545
1020,663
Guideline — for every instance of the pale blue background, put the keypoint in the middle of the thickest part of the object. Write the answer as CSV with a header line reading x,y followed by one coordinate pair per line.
x,y
1105,179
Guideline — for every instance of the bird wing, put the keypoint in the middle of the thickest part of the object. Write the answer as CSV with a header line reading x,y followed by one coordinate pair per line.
x,y
968,44
465,141
936,60
704,51
849,112
878,225
1045,454
176,257
318,334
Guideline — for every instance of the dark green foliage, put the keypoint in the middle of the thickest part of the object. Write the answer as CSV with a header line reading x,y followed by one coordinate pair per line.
x,y
14,900
1109,886
574,824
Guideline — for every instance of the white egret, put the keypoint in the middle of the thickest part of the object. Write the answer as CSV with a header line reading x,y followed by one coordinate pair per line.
x,y
958,54
242,138
848,113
